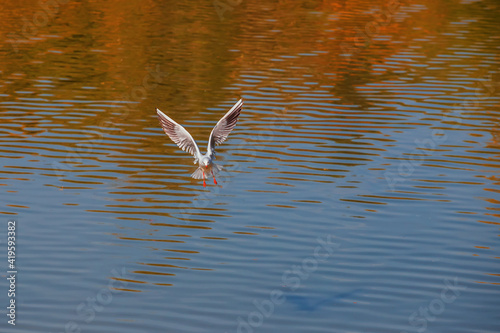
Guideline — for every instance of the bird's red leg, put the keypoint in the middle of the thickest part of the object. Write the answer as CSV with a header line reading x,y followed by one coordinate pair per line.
x,y
204,184
215,182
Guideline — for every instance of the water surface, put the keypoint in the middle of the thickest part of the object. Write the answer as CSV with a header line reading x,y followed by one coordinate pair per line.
x,y
361,185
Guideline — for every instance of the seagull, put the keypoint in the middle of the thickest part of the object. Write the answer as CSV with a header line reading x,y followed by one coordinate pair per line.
x,y
185,141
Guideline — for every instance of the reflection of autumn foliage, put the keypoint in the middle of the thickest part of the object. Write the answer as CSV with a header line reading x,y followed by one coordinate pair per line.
x,y
125,36
493,87
114,42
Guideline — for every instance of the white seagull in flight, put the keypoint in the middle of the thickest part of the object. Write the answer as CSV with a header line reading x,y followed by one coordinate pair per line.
x,y
185,141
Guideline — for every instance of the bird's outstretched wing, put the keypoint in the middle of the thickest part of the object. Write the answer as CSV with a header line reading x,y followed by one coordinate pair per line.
x,y
179,135
224,127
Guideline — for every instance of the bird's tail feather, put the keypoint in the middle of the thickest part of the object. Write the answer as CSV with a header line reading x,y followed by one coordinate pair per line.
x,y
217,168
198,173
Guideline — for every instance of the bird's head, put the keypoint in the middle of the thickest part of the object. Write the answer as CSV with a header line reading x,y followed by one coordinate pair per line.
x,y
205,161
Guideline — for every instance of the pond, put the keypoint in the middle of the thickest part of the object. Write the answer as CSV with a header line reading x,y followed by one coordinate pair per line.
x,y
360,189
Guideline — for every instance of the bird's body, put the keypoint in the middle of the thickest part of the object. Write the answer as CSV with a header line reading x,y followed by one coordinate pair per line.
x,y
185,141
